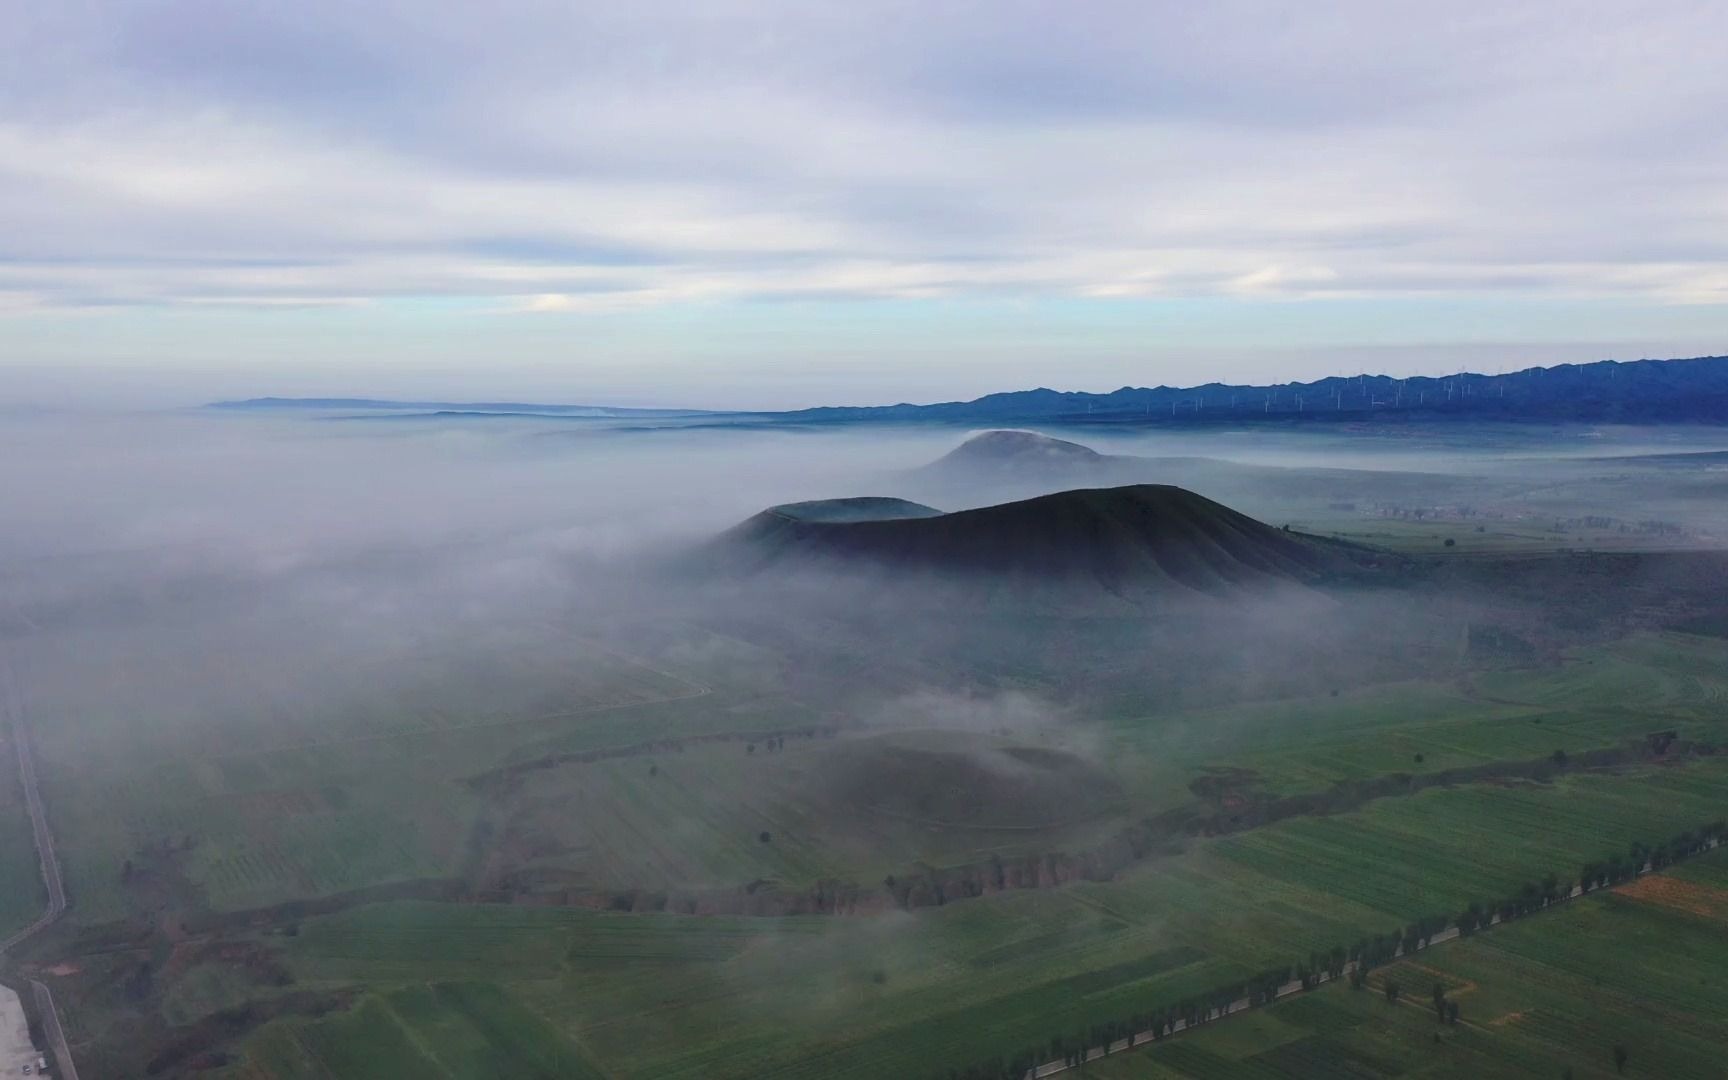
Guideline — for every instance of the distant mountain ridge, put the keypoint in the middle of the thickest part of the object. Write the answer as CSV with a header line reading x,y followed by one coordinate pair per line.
x,y
1652,391
1691,390
445,408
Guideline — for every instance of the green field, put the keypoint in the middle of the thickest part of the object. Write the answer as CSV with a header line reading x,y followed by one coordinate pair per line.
x,y
448,1029
605,822
1552,995
278,824
492,769
915,993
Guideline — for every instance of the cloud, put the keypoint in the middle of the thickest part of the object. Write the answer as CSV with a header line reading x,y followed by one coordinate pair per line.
x,y
563,158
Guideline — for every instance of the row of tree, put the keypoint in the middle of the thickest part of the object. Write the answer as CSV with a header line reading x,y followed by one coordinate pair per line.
x,y
1531,896
1357,959
1614,869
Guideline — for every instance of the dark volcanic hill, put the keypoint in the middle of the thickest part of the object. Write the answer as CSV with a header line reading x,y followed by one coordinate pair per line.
x,y
1135,544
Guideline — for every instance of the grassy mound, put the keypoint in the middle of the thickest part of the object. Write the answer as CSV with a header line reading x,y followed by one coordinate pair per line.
x,y
959,780
1016,450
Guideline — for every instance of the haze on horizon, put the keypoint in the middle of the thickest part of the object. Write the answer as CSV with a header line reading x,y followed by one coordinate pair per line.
x,y
756,204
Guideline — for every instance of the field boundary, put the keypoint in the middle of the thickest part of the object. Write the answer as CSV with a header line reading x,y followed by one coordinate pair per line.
x,y
1137,841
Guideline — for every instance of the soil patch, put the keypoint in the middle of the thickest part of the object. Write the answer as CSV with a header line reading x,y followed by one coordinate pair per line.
x,y
1672,892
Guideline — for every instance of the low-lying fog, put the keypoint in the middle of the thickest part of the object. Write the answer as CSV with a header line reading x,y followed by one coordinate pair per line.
x,y
156,553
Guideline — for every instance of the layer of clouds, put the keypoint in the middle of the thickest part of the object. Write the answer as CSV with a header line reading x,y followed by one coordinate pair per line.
x,y
542,157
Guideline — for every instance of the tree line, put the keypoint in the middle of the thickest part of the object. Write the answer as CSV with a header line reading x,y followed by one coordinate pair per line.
x,y
1359,959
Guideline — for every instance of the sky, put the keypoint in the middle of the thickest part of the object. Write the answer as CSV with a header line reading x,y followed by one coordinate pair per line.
x,y
755,204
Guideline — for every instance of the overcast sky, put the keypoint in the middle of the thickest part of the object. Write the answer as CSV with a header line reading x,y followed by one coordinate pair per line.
x,y
749,203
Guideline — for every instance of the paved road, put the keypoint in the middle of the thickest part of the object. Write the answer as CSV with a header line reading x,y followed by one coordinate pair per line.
x,y
50,861
12,704
56,1034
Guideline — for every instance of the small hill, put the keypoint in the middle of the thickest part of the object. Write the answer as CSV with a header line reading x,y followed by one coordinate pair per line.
x,y
1133,544
1020,450
1001,466
1006,459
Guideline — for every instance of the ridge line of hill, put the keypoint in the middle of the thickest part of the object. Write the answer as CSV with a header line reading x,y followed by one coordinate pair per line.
x,y
1678,390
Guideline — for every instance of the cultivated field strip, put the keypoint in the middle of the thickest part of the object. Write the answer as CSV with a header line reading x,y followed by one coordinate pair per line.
x,y
1540,996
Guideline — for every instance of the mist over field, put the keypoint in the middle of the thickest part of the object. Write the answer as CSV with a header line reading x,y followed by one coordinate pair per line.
x,y
110,510
299,539
372,532
317,696
753,540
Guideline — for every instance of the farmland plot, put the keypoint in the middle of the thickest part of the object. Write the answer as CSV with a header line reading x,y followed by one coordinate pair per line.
x,y
1548,995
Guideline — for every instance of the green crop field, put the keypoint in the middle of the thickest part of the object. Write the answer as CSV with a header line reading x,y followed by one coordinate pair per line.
x,y
1640,967
381,744
439,1030
916,993
594,817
